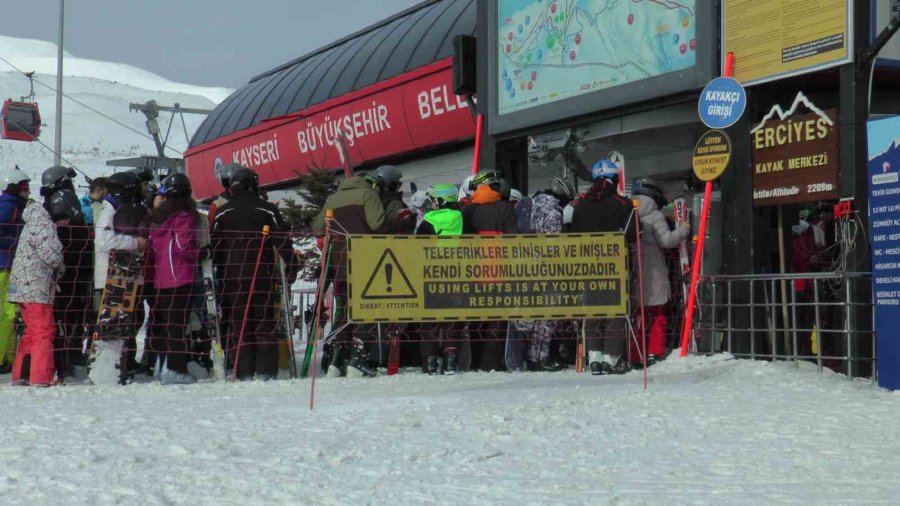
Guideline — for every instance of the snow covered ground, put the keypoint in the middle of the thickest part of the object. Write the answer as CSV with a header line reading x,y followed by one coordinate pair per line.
x,y
709,430
89,140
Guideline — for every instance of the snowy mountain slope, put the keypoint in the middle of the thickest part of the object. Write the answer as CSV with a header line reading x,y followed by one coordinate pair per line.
x,y
89,140
709,431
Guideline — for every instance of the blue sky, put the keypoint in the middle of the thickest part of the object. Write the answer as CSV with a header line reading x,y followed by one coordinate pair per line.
x,y
203,42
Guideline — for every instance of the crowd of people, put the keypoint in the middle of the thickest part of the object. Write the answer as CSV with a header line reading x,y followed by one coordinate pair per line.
x,y
54,259
486,204
54,262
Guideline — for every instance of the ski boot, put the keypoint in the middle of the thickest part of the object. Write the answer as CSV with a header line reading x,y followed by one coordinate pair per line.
x,y
336,361
451,357
613,365
595,358
549,365
170,377
358,366
434,365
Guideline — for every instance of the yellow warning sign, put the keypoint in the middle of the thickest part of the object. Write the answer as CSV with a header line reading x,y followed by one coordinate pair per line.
x,y
711,155
421,279
388,280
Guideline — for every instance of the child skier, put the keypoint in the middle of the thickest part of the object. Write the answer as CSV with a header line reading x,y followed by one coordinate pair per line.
x,y
32,284
440,341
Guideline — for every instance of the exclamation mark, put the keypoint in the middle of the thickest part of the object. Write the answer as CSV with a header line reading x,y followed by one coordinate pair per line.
x,y
388,275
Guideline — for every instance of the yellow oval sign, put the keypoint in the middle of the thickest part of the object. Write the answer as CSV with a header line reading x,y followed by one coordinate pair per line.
x,y
711,155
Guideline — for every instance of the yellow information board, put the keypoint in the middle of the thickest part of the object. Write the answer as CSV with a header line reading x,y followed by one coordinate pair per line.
x,y
431,278
711,155
773,39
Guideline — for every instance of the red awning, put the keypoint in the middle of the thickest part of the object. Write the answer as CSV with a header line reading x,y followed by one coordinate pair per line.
x,y
398,116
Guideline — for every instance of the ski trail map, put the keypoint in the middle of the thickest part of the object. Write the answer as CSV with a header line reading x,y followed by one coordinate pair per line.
x,y
552,50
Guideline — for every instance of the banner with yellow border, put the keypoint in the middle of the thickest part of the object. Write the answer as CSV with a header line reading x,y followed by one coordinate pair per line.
x,y
506,277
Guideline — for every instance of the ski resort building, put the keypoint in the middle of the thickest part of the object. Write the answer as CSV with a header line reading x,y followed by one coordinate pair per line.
x,y
387,88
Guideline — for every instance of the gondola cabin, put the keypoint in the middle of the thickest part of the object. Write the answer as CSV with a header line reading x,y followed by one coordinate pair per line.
x,y
21,121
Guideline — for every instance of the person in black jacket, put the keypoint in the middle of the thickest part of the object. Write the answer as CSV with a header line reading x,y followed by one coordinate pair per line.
x,y
235,243
602,209
488,214
73,298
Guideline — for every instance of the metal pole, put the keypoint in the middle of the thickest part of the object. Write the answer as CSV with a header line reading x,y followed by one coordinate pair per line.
x,y
57,157
848,307
730,309
752,322
818,323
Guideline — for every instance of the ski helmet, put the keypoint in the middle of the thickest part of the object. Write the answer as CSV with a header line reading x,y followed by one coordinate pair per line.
x,y
224,173
605,169
443,194
486,177
57,177
64,204
14,176
388,177
465,189
419,200
123,185
244,179
562,190
144,174
648,188
175,185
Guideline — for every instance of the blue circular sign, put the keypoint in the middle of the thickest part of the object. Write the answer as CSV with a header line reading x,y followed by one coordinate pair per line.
x,y
722,103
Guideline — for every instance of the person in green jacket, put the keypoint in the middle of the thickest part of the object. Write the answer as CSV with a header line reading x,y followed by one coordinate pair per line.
x,y
441,341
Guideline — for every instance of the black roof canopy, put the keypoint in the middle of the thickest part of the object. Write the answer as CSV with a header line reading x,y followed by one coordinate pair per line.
x,y
416,37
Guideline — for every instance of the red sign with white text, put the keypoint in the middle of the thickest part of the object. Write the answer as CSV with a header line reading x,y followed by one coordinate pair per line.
x,y
403,114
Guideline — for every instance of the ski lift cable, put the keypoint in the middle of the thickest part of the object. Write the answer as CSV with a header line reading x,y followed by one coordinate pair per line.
x,y
51,150
88,107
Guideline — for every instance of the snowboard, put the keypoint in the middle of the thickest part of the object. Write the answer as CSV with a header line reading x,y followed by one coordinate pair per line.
x,y
116,320
213,327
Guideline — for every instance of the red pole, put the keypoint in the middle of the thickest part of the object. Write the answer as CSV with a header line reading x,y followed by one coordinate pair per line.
x,y
637,225
479,123
701,239
237,356
329,216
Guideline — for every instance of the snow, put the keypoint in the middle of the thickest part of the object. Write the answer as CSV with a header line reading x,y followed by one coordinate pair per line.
x,y
89,140
709,430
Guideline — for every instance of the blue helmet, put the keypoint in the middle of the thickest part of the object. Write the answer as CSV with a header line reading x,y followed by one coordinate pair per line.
x,y
604,169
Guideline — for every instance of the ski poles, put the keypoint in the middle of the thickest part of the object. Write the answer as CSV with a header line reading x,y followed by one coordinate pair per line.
x,y
237,357
287,314
326,247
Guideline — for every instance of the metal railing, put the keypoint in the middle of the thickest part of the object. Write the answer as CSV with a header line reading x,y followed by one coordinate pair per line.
x,y
825,318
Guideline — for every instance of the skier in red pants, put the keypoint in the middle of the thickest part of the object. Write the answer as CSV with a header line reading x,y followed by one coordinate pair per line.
x,y
32,284
655,236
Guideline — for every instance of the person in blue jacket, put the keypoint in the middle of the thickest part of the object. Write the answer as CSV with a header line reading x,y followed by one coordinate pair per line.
x,y
92,201
15,195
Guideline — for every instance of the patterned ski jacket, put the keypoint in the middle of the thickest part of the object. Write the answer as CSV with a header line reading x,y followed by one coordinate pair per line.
x,y
39,257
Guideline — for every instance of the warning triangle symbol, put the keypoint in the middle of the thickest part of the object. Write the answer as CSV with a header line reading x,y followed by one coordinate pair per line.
x,y
388,280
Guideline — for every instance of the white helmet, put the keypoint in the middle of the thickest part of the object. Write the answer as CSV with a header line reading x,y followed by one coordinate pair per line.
x,y
12,176
464,191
